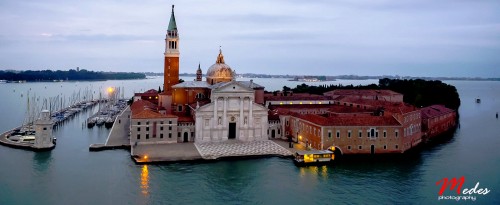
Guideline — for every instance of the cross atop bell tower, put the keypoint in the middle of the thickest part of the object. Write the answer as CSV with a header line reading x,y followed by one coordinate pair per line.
x,y
171,65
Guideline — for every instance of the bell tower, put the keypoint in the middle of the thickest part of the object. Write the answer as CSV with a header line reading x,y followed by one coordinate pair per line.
x,y
199,74
171,65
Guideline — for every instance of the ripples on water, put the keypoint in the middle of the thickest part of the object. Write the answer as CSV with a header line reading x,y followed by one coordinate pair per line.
x,y
70,174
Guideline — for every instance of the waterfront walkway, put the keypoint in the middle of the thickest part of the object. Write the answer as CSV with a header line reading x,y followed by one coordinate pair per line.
x,y
165,152
119,135
174,152
236,148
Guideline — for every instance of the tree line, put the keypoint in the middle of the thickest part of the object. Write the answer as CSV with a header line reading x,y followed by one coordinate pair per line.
x,y
418,92
49,75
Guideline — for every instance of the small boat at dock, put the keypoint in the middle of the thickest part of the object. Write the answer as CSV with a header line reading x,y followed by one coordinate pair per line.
x,y
109,122
100,121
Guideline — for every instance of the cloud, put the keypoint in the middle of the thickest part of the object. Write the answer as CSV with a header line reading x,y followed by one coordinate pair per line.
x,y
355,37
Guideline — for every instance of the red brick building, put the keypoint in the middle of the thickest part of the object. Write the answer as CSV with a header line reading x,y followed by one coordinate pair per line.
x,y
437,119
355,125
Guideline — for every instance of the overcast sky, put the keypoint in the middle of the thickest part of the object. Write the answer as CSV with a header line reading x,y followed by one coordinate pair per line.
x,y
367,37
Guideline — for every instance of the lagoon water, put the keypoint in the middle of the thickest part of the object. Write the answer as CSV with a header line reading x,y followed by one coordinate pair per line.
x,y
70,174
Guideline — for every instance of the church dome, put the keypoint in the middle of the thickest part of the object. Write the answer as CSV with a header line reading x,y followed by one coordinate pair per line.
x,y
220,71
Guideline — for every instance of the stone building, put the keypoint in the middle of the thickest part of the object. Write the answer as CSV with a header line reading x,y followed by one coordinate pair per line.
x,y
232,114
44,138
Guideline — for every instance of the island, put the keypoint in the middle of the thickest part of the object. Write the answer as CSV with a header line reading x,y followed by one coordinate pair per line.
x,y
59,75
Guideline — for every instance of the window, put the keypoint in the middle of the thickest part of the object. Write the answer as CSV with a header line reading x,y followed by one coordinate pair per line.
x,y
147,123
360,147
138,136
170,127
138,129
138,123
161,128
178,134
161,122
147,136
385,146
179,108
170,122
360,133
385,133
396,146
279,131
372,132
329,134
161,135
396,133
147,128
44,128
349,133
170,135
286,123
349,147
338,134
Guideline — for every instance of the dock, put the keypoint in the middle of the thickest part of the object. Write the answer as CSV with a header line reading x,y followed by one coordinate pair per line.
x,y
56,118
118,137
26,146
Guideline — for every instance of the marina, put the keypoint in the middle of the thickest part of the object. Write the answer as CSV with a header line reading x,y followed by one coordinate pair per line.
x,y
36,132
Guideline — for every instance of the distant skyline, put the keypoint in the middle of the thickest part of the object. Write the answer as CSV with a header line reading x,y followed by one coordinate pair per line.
x,y
366,37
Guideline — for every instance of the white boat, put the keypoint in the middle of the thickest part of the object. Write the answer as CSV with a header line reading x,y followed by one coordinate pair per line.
x,y
27,139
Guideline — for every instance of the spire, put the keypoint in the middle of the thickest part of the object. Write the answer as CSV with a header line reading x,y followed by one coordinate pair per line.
x,y
199,74
172,25
220,57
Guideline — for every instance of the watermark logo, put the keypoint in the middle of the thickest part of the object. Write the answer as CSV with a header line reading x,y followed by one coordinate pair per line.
x,y
455,185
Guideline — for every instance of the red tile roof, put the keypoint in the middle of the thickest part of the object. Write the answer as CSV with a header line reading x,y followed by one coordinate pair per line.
x,y
349,121
143,109
141,105
147,114
184,118
151,92
394,107
434,111
296,97
355,92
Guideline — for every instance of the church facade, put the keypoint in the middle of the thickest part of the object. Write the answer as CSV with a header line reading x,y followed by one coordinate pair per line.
x,y
232,114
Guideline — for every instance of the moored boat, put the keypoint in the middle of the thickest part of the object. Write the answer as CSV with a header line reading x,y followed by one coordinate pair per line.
x,y
313,157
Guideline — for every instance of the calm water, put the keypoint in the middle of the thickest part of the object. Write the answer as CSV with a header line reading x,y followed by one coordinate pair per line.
x,y
70,174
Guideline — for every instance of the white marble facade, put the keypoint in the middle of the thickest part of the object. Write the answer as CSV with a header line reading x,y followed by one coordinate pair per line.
x,y
232,114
